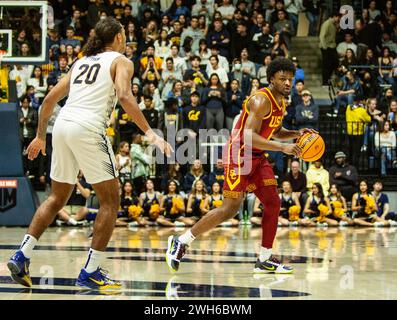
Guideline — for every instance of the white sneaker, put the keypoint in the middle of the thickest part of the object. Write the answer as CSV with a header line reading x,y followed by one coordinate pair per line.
x,y
378,224
392,223
179,224
133,224
226,224
294,223
59,223
343,223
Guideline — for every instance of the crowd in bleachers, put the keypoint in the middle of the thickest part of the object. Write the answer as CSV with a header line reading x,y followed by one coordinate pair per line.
x,y
360,65
194,64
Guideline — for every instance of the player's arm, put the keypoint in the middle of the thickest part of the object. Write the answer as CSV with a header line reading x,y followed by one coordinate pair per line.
x,y
124,70
259,107
283,134
60,91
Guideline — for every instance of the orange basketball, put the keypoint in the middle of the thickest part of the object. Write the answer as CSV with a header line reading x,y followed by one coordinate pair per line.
x,y
312,146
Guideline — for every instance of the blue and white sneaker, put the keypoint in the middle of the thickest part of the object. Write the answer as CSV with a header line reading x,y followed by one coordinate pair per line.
x,y
272,265
175,251
97,280
19,268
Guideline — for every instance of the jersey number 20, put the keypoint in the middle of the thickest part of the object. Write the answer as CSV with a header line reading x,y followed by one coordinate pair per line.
x,y
91,76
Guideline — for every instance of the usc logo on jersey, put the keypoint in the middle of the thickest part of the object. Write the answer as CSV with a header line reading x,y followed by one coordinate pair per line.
x,y
275,121
194,115
232,174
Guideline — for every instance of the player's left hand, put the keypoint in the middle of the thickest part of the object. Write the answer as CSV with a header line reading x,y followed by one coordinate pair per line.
x,y
306,130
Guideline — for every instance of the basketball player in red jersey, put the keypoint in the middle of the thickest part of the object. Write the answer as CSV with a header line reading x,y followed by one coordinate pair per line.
x,y
260,121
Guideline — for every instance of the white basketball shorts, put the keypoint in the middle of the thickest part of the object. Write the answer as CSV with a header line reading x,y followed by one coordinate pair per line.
x,y
77,148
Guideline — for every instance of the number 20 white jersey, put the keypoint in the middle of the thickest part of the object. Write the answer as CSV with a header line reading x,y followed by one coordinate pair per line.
x,y
92,94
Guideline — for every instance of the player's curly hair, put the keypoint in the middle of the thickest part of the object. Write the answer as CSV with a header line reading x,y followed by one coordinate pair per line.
x,y
279,64
105,31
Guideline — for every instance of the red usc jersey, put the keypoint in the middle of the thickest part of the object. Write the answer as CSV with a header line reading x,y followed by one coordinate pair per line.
x,y
270,123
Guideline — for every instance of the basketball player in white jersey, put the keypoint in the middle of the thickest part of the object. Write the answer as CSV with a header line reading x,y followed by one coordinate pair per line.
x,y
93,84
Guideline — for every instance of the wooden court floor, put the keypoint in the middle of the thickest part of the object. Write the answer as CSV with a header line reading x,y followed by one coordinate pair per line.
x,y
349,263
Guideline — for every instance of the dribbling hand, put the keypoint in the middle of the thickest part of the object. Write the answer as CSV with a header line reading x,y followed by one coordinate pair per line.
x,y
292,149
35,147
307,130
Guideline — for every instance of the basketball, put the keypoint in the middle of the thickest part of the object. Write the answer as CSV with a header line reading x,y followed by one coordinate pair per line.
x,y
312,146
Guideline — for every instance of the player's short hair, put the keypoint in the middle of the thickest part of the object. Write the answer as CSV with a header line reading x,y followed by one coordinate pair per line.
x,y
279,64
105,31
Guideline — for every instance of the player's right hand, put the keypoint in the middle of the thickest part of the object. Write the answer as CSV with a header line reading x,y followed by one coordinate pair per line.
x,y
292,149
163,145
35,147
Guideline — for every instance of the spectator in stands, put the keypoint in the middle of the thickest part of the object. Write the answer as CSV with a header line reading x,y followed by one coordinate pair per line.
x,y
312,207
186,49
227,10
172,208
195,77
70,55
140,160
338,206
262,71
312,11
28,120
385,100
162,45
36,42
195,205
124,162
343,175
248,67
132,34
169,76
203,52
150,34
173,172
244,78
299,72
194,114
347,44
17,43
262,43
176,94
223,62
317,174
127,17
150,113
387,42
215,68
176,9
126,126
70,39
214,98
382,203
76,205
80,28
203,24
385,143
129,198
385,67
151,69
306,113
179,62
279,49
150,202
254,86
34,100
203,7
298,181
392,115
240,40
365,210
176,33
377,118
38,82
348,60
350,91
328,45
58,73
195,174
217,174
372,11
194,32
274,16
219,37
284,27
235,98
25,50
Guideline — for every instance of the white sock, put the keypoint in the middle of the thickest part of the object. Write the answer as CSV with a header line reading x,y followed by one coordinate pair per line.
x,y
72,222
94,260
28,244
265,254
187,238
